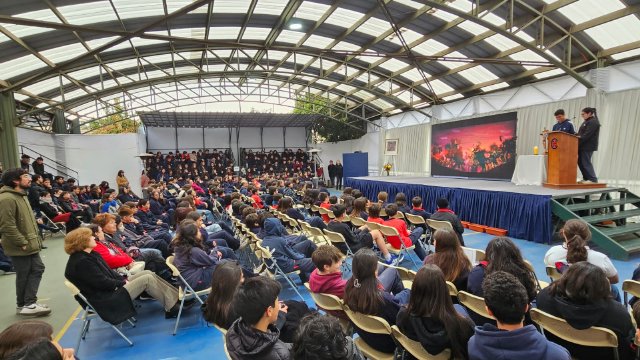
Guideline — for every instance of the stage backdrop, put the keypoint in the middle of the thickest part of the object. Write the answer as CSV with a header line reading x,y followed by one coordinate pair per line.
x,y
480,148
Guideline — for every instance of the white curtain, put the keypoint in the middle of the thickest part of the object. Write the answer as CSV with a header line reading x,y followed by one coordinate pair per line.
x,y
413,150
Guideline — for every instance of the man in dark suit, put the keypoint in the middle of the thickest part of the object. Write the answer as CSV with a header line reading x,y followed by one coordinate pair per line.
x,y
589,133
444,214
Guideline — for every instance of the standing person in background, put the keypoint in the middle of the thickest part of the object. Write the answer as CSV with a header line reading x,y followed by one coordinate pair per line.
x,y
122,180
589,133
563,124
21,241
144,180
339,172
332,173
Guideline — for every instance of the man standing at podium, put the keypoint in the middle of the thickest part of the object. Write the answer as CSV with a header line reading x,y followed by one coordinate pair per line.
x,y
563,124
588,133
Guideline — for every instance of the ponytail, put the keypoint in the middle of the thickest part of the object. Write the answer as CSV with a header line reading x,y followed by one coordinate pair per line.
x,y
576,249
590,110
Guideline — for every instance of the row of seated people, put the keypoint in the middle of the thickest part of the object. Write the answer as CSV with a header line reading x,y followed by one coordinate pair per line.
x,y
203,163
286,163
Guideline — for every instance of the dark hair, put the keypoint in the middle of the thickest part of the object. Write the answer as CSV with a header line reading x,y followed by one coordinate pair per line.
x,y
391,210
383,196
21,333
442,203
589,110
338,210
255,297
361,292
319,337
359,205
559,112
186,237
252,220
333,199
224,284
449,256
120,172
285,204
326,255
42,349
503,255
374,210
193,215
430,299
264,216
401,199
11,175
416,201
582,283
577,235
505,296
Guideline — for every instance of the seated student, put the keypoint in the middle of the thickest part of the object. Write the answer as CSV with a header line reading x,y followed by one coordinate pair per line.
x,y
450,258
219,309
407,238
363,294
146,216
115,258
210,243
105,289
55,213
323,198
126,238
285,205
417,208
253,335
374,214
576,236
160,207
125,195
432,319
288,257
445,214
383,196
358,238
321,338
67,204
257,201
582,297
42,349
109,204
276,201
134,225
360,208
401,203
506,300
21,333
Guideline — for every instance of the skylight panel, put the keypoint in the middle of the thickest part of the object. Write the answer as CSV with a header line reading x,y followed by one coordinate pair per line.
x,y
414,75
492,18
452,97
44,85
453,64
175,5
346,46
299,58
137,42
550,73
471,27
156,59
381,104
430,47
317,41
270,7
362,94
438,86
408,35
63,53
128,9
222,53
325,82
374,27
617,32
367,77
275,55
477,75
343,17
217,67
497,86
527,55
521,34
443,15
410,3
23,31
501,42
405,96
344,87
291,37
349,69
394,65
584,10
191,33
311,11
626,54
463,5
88,13
87,73
92,44
224,32
74,94
254,33
326,64
124,64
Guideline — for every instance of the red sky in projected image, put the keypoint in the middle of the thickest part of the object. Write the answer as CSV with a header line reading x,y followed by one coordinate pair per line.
x,y
469,136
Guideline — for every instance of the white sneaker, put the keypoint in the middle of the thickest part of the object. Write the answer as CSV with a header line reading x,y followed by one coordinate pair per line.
x,y
34,310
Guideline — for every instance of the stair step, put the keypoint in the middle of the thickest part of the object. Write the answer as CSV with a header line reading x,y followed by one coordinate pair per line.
x,y
601,204
632,245
621,230
611,216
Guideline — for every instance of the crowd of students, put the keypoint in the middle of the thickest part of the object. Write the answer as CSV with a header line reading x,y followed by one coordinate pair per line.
x,y
119,246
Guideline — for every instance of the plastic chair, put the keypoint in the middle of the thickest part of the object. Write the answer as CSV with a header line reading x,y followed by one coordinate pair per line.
x,y
388,231
398,215
474,255
540,284
415,220
184,290
405,274
370,324
372,225
89,313
553,273
593,336
275,269
453,290
317,235
473,303
357,222
630,287
337,238
439,224
415,348
331,303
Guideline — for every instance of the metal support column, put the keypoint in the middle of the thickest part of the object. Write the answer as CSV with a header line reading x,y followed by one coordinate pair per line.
x,y
284,137
75,126
9,156
59,122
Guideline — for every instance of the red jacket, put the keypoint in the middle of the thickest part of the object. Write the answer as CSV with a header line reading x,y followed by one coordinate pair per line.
x,y
324,216
112,255
257,201
376,220
401,226
327,284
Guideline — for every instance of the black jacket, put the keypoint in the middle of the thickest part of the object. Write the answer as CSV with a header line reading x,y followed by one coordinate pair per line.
x,y
102,286
245,343
453,219
608,314
589,133
38,168
339,171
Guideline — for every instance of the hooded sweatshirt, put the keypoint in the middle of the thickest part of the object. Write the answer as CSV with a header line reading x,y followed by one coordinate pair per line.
x,y
274,239
608,314
491,343
246,343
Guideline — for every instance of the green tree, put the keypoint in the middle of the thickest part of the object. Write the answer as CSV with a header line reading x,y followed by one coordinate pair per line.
x,y
334,125
117,121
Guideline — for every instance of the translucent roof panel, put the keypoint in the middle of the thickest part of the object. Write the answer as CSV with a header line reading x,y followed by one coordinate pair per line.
x,y
626,54
430,47
374,26
584,10
311,11
343,17
288,36
128,9
270,7
501,42
453,64
224,33
408,35
497,86
414,75
345,46
477,75
410,3
317,41
88,13
230,6
472,27
617,32
439,87
394,65
549,73
254,33
22,31
20,65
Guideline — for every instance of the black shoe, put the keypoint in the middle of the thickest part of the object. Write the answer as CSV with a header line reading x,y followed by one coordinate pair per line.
x,y
173,313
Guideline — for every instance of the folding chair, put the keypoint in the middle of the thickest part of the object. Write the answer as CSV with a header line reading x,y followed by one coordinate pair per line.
x,y
630,287
357,222
331,303
60,224
388,231
383,213
453,290
473,303
539,283
593,336
337,238
398,215
267,258
415,348
372,225
435,225
405,274
553,273
317,235
89,313
184,292
370,324
474,255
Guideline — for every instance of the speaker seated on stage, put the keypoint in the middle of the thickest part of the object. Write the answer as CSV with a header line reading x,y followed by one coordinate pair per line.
x,y
445,214
408,238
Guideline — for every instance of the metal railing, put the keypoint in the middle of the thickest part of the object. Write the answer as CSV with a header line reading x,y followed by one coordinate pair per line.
x,y
67,172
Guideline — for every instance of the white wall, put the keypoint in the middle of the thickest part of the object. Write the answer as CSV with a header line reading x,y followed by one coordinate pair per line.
x,y
369,143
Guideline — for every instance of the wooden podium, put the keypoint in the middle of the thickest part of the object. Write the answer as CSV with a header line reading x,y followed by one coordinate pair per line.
x,y
562,162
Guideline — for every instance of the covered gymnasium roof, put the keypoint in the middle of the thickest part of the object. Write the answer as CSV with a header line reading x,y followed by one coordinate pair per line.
x,y
224,120
370,58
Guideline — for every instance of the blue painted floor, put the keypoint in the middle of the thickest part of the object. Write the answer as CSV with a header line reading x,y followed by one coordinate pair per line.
x,y
152,335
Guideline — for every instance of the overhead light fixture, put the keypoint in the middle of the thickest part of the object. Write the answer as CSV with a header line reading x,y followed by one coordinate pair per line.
x,y
295,26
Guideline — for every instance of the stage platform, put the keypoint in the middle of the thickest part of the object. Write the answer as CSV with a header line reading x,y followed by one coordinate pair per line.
x,y
523,210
